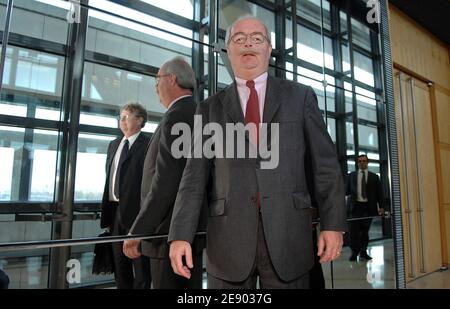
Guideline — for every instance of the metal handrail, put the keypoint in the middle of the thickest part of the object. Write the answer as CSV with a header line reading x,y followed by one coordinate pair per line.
x,y
45,244
29,245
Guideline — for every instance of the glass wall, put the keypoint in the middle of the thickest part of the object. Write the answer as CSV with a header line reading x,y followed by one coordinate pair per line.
x,y
315,42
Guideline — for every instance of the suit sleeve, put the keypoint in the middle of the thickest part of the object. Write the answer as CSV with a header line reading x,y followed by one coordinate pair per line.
x,y
190,199
328,180
161,196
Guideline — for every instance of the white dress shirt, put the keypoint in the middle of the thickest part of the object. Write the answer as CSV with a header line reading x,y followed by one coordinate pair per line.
x,y
115,163
244,92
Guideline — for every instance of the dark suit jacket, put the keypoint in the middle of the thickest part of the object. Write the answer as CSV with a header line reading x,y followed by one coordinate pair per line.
x,y
285,199
374,193
129,182
162,175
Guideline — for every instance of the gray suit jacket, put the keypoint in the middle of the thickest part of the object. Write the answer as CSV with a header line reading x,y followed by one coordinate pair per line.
x,y
160,181
233,184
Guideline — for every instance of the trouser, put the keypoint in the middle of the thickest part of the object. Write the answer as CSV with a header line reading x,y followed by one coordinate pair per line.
x,y
164,277
359,228
262,268
128,273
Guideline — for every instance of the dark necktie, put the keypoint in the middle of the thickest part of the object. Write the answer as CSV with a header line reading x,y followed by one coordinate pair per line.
x,y
123,156
363,185
252,112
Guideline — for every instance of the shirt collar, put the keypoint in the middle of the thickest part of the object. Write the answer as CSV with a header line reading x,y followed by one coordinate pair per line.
x,y
258,81
131,139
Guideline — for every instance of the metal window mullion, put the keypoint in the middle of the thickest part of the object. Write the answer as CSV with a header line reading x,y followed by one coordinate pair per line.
x,y
213,40
393,149
73,83
5,35
341,137
352,78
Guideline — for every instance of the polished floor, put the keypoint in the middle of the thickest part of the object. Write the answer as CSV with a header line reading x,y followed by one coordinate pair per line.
x,y
377,273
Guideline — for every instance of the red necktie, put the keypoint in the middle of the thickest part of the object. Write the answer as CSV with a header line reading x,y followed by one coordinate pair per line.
x,y
252,112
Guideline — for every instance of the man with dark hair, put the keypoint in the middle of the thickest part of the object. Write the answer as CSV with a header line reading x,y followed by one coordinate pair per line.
x,y
121,196
162,175
366,200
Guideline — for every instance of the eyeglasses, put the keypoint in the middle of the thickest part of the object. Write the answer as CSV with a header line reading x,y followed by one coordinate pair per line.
x,y
255,38
158,77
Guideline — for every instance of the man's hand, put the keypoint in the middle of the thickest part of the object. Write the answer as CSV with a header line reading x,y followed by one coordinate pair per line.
x,y
178,249
381,211
131,248
329,245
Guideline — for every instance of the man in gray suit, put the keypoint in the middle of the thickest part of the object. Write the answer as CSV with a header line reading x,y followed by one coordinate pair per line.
x,y
259,220
161,178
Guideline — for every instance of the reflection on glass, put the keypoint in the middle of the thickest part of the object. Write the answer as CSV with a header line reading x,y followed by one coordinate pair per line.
x,y
361,34
363,69
230,11
99,120
309,47
43,175
150,127
29,167
310,10
7,159
183,7
368,138
38,26
350,137
90,170
35,71
113,89
134,41
47,113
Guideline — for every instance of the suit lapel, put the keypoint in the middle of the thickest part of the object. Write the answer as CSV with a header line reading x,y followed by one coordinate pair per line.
x,y
271,102
232,104
111,155
136,145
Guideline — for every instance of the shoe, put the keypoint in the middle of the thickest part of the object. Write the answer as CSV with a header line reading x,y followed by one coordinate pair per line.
x,y
353,257
365,256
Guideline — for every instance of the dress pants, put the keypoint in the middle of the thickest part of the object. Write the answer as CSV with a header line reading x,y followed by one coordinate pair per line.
x,y
262,268
359,228
164,278
128,273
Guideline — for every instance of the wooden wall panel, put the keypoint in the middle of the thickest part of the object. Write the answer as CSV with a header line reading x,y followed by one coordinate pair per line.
x,y
416,49
445,168
443,115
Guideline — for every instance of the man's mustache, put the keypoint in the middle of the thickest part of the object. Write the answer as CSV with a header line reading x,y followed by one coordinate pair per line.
x,y
247,51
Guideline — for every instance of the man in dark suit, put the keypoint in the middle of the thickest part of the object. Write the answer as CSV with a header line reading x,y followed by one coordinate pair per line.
x,y
259,222
162,175
366,200
121,196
